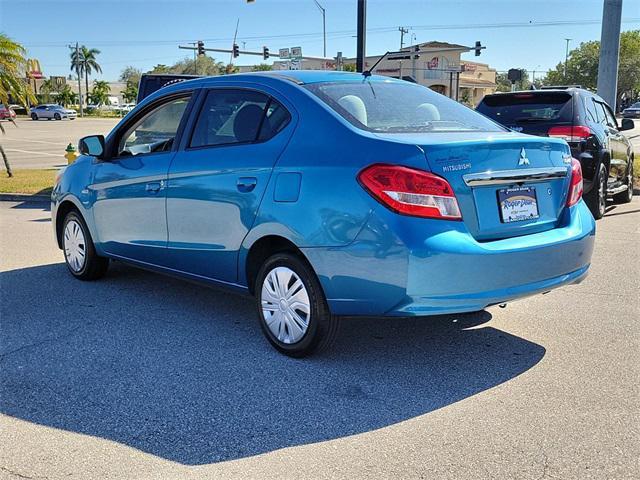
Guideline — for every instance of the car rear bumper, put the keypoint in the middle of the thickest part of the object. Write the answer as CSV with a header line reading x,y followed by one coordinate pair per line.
x,y
436,267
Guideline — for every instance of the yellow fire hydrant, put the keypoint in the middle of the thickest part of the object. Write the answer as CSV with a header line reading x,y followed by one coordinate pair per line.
x,y
71,154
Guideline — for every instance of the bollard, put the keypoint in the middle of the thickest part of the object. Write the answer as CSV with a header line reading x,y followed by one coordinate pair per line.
x,y
71,154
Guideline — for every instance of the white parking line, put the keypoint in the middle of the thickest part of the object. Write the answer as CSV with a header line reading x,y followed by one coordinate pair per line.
x,y
31,152
36,141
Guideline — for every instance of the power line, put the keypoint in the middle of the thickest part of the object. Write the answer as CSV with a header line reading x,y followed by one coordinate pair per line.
x,y
341,33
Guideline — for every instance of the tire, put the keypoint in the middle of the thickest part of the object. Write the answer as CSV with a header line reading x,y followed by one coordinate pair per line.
x,y
596,199
627,195
295,328
57,116
79,252
34,116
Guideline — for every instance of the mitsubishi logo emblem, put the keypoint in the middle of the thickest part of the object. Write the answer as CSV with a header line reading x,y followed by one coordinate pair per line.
x,y
523,158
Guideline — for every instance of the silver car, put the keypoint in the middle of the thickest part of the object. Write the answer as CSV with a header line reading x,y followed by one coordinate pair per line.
x,y
52,111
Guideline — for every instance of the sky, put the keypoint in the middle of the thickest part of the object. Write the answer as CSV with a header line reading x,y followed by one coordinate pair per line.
x,y
143,33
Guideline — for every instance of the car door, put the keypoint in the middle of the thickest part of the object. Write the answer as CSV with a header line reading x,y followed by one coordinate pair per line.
x,y
617,144
45,112
129,186
216,183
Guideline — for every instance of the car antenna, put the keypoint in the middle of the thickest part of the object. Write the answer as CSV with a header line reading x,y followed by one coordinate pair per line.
x,y
367,73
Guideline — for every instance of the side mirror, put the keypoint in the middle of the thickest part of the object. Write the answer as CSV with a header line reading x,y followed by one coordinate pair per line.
x,y
627,124
92,145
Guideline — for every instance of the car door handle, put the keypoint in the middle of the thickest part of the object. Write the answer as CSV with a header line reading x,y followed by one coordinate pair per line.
x,y
247,184
154,187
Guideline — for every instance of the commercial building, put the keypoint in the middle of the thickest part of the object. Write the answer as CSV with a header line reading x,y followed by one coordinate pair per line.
x,y
437,65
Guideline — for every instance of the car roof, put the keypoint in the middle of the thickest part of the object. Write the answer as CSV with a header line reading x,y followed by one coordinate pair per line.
x,y
542,91
300,77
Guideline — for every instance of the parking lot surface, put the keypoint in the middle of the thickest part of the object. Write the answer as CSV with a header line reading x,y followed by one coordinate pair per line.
x,y
144,376
41,144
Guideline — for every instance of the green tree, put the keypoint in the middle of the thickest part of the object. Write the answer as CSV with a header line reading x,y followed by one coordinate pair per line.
x,y
65,96
263,67
130,93
85,61
160,68
100,92
349,67
46,89
504,84
582,66
13,64
131,75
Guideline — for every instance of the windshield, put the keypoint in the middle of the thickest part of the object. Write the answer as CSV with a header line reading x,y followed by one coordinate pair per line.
x,y
509,109
393,107
635,105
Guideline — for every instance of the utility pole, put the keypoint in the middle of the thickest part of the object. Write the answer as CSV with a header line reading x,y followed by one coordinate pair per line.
x,y
402,31
77,48
609,52
566,57
362,34
324,27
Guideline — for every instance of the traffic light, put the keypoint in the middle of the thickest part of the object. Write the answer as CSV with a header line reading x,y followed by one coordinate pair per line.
x,y
236,50
265,52
201,48
478,48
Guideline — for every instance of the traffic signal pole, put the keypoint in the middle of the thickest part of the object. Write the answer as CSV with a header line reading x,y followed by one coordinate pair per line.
x,y
609,51
362,34
247,52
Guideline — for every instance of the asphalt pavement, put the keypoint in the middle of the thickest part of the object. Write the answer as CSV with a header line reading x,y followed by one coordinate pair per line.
x,y
42,143
142,376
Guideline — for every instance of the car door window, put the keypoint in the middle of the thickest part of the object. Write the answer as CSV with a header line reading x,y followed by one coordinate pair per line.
x,y
276,118
228,117
603,115
156,131
611,119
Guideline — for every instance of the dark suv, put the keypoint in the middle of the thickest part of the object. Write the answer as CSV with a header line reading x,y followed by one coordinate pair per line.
x,y
588,125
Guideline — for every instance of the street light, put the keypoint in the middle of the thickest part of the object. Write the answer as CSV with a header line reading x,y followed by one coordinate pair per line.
x,y
566,58
324,26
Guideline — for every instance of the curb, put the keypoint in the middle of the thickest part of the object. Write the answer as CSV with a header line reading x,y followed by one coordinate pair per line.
x,y
24,197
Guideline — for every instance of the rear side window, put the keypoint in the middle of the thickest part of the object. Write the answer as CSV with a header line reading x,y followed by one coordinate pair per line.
x,y
276,118
511,109
399,107
228,117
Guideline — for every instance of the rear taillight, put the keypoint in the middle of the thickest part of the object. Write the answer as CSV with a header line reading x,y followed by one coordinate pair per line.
x,y
410,192
575,186
570,134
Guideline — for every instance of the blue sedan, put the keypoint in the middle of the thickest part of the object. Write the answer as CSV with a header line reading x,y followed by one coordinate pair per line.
x,y
326,194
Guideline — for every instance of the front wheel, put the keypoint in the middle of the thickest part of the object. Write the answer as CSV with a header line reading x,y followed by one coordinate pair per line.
x,y
57,116
596,199
627,195
79,252
292,309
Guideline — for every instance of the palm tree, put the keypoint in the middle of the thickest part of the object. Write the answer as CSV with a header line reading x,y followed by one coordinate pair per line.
x,y
46,89
13,63
84,61
100,92
65,96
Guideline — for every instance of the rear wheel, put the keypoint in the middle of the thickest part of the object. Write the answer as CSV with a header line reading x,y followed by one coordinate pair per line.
x,y
79,252
597,197
292,309
34,116
627,195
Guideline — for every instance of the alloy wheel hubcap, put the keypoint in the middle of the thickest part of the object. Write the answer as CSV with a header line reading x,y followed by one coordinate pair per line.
x,y
602,195
74,245
285,305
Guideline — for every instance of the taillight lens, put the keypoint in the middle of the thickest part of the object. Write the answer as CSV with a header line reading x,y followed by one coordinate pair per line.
x,y
575,186
570,134
411,192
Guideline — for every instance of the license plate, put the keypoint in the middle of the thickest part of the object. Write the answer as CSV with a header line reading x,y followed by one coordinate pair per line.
x,y
517,204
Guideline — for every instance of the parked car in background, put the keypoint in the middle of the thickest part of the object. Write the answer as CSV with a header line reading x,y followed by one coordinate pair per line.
x,y
326,194
589,126
633,111
51,111
6,112
126,107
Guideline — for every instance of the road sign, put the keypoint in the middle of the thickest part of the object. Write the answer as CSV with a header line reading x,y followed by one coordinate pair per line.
x,y
296,52
295,65
284,54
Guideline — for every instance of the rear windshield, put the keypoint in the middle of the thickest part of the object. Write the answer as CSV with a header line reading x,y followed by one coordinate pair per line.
x,y
510,109
393,107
